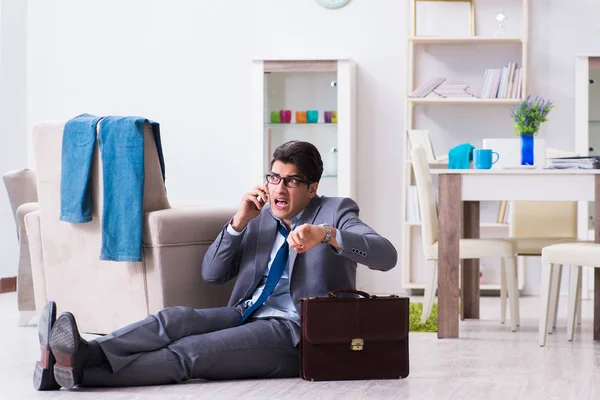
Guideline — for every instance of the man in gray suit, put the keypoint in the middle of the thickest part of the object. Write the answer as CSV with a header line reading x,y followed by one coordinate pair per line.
x,y
284,243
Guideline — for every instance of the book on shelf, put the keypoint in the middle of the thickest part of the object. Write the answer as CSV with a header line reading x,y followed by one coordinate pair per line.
x,y
584,162
502,83
503,212
497,83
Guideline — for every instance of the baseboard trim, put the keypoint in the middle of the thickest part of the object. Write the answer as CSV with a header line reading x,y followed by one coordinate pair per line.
x,y
8,284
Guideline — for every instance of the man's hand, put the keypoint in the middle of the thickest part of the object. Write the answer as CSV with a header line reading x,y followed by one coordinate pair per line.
x,y
307,236
250,207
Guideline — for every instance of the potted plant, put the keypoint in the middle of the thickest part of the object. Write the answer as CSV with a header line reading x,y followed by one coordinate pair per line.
x,y
528,116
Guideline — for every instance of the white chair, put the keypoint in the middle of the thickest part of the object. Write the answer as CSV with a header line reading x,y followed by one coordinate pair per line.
x,y
534,225
468,248
576,255
423,138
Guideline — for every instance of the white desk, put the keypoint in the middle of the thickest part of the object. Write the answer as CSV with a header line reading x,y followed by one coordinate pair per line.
x,y
460,192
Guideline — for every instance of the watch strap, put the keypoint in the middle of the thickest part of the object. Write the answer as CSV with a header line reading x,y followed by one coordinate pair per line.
x,y
327,237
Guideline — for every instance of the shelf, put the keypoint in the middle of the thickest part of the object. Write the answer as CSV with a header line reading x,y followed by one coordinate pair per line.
x,y
484,286
462,100
328,176
482,224
301,123
465,40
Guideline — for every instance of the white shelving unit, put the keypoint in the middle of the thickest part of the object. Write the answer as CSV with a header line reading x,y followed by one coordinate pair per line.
x,y
301,85
472,45
587,142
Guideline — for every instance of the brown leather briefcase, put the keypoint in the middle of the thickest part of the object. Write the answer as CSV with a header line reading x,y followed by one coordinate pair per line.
x,y
354,338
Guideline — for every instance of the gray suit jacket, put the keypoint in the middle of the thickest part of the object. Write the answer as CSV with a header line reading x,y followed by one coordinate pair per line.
x,y
313,273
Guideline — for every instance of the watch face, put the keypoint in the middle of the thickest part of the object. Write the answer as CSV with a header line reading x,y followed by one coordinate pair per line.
x,y
333,3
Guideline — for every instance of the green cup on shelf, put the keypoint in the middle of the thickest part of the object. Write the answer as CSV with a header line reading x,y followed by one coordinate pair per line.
x,y
312,116
275,117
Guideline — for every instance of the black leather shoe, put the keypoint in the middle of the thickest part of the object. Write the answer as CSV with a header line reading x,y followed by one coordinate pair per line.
x,y
70,351
43,373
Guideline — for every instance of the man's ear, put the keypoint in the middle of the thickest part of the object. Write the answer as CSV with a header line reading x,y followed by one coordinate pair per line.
x,y
312,189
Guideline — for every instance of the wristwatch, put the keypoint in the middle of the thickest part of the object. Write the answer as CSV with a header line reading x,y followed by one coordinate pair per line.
x,y
327,233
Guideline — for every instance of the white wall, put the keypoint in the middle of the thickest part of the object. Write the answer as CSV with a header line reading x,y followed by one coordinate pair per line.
x,y
552,74
187,65
13,153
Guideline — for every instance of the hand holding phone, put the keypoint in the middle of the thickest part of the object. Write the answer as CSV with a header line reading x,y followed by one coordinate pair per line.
x,y
250,207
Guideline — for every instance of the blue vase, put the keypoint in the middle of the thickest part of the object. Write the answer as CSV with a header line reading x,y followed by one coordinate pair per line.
x,y
526,149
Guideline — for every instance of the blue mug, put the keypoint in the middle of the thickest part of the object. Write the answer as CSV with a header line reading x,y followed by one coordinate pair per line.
x,y
482,158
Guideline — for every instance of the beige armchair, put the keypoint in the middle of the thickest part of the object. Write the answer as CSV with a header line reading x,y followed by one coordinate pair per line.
x,y
106,295
22,195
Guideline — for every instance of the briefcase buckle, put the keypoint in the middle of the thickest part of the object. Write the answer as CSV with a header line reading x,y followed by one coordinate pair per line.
x,y
357,344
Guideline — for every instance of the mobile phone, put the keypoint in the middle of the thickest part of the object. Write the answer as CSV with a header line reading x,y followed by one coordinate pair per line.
x,y
260,200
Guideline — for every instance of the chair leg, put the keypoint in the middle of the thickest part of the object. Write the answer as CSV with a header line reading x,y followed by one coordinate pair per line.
x,y
546,282
511,285
430,288
518,311
574,293
25,317
461,299
502,292
558,272
579,303
554,297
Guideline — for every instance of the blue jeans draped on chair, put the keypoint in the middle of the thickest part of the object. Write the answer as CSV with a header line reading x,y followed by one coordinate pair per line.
x,y
121,143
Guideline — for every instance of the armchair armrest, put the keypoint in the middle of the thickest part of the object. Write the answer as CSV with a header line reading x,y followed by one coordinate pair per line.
x,y
175,241
21,188
22,211
185,225
38,273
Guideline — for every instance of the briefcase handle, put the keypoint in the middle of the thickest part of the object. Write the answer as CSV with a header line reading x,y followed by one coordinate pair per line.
x,y
334,293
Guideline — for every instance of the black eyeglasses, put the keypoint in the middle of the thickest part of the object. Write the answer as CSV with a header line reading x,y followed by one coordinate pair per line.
x,y
289,181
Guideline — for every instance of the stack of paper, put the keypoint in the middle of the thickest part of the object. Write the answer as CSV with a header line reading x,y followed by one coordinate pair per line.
x,y
452,90
574,163
427,87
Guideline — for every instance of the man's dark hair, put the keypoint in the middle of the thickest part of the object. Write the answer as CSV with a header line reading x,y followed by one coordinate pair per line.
x,y
304,156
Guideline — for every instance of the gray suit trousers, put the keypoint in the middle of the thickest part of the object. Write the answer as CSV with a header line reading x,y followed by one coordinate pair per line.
x,y
181,343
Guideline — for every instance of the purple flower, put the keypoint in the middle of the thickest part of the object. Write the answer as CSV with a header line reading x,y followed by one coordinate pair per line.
x,y
528,115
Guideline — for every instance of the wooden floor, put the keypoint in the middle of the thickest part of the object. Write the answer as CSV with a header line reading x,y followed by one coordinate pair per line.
x,y
487,362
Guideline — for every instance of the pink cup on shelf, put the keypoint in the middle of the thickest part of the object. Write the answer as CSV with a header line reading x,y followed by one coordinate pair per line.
x,y
286,116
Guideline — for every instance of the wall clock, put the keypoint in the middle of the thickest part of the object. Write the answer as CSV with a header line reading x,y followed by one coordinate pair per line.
x,y
333,3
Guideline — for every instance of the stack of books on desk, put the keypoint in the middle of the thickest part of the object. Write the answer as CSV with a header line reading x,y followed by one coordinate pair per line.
x,y
590,162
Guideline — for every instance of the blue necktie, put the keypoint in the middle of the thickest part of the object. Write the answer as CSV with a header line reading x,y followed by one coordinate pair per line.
x,y
277,267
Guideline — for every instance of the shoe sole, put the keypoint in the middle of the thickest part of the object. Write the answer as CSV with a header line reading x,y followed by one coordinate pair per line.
x,y
43,372
64,346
